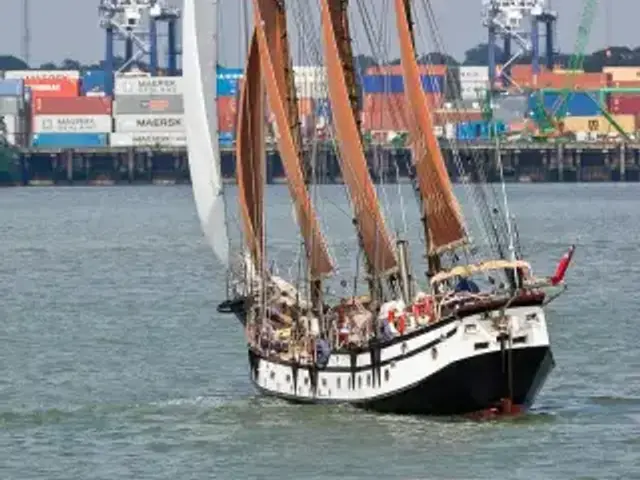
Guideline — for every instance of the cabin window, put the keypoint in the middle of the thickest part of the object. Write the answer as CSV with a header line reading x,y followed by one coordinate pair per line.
x,y
272,375
386,375
306,380
339,382
288,378
349,383
324,382
368,380
359,382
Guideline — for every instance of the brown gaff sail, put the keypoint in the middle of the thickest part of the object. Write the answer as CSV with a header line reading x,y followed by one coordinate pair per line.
x,y
271,30
250,156
375,240
444,218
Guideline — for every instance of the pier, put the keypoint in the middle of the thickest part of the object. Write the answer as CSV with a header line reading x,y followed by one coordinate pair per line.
x,y
522,162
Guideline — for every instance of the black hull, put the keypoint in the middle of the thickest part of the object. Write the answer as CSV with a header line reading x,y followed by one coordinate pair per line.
x,y
474,384
469,386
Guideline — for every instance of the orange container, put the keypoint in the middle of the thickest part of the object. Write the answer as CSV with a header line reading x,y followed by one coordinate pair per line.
x,y
54,87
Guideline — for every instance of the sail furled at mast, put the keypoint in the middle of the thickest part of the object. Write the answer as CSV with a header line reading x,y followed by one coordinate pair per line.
x,y
271,31
445,224
250,155
375,239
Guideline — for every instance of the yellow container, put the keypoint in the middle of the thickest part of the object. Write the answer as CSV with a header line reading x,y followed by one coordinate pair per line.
x,y
600,124
623,74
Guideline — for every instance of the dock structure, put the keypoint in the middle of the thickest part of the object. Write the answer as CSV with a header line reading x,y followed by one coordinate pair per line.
x,y
522,162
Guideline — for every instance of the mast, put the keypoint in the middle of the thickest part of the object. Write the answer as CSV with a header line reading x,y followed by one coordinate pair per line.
x,y
442,218
250,157
271,30
381,260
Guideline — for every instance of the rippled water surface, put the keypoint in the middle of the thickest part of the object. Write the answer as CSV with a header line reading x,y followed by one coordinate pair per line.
x,y
115,364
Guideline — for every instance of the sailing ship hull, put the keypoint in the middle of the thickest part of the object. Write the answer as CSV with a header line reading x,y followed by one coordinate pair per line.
x,y
456,367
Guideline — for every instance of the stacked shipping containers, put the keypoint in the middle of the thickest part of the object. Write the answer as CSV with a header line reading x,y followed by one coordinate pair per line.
x,y
12,112
148,111
473,82
228,91
383,96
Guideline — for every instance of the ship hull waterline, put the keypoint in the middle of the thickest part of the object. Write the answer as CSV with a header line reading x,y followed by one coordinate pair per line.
x,y
458,366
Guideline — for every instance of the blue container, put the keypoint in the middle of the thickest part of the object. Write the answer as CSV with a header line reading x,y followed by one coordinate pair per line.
x,y
226,139
69,140
93,81
579,104
322,108
395,83
227,81
11,88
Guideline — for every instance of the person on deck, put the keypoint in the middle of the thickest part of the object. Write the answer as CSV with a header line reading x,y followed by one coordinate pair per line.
x,y
467,285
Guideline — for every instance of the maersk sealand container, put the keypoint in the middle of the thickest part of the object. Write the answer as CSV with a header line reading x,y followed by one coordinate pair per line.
x,y
579,104
395,83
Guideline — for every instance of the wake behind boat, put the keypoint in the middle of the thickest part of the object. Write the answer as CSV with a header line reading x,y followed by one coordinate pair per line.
x,y
473,338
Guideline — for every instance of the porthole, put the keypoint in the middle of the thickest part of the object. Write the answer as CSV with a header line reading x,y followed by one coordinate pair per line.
x,y
339,382
368,380
434,353
324,382
272,375
349,383
306,380
386,375
288,378
359,382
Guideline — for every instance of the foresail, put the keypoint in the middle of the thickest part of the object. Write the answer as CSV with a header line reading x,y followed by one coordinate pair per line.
x,y
271,29
250,155
199,57
353,164
444,218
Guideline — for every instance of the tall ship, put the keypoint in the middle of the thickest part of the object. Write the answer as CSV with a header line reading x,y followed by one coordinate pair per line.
x,y
471,338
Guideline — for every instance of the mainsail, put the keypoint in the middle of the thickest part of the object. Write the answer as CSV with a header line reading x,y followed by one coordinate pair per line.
x,y
199,70
445,228
271,30
353,164
250,156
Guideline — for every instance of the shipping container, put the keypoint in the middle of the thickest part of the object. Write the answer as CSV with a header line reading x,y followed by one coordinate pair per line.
x,y
635,85
582,81
473,90
423,69
227,81
625,104
149,104
168,139
14,129
12,105
11,88
395,84
71,106
623,74
473,74
577,104
323,108
69,140
54,87
148,86
226,139
42,74
388,112
93,81
443,117
311,88
599,124
227,113
71,124
149,123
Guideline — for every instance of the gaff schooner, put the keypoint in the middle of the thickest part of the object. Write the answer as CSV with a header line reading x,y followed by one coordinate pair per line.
x,y
447,347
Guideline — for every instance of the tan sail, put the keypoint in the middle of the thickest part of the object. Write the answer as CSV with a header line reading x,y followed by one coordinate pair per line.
x,y
271,29
375,240
250,155
444,218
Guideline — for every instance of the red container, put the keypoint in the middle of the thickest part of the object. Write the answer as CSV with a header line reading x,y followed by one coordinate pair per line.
x,y
442,117
629,84
227,113
54,87
388,111
625,104
71,105
397,70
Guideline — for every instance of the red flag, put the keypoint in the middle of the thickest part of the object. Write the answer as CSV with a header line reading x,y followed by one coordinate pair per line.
x,y
563,264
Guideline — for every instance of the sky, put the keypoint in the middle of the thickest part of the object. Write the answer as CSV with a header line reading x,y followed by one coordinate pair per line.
x,y
70,28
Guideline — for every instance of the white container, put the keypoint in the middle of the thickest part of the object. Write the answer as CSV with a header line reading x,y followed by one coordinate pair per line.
x,y
148,86
450,131
438,131
472,73
581,136
168,139
71,124
25,74
149,123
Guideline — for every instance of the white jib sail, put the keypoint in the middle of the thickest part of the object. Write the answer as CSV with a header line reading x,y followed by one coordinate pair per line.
x,y
199,58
